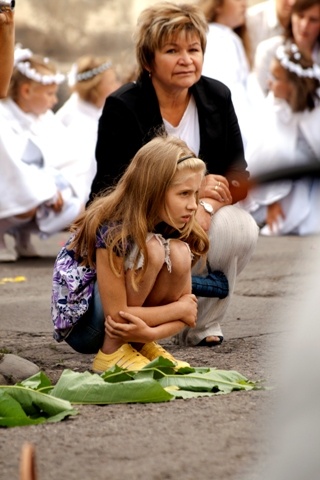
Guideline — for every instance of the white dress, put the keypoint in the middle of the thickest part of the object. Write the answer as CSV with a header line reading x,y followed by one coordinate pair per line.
x,y
81,119
283,139
35,164
225,60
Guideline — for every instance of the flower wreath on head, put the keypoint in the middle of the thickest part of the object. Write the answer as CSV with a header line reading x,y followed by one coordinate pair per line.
x,y
21,55
283,54
74,76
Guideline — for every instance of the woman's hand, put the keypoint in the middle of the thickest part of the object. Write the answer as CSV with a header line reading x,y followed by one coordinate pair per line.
x,y
217,188
134,330
275,216
57,203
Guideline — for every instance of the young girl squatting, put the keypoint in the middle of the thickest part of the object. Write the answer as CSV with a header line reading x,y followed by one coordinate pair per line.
x,y
123,279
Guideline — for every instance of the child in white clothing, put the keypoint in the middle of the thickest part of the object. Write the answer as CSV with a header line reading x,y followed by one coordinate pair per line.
x,y
39,171
91,80
291,119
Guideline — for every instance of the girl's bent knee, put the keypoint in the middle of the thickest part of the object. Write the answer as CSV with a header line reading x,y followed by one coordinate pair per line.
x,y
181,256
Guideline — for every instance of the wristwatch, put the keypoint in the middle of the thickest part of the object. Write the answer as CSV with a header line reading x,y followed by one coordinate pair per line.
x,y
207,207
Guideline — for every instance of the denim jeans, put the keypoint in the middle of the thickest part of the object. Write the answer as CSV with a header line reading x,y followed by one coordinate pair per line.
x,y
215,284
87,335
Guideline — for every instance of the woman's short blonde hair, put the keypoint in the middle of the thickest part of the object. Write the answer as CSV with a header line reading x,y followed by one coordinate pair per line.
x,y
162,21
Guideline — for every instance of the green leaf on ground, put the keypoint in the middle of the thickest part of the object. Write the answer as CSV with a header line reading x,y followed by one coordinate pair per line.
x,y
84,388
222,381
36,400
21,405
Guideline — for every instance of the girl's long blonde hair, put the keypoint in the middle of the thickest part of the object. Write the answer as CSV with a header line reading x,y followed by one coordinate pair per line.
x,y
131,208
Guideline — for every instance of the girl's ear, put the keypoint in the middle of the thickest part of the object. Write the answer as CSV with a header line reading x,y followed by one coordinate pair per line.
x,y
25,89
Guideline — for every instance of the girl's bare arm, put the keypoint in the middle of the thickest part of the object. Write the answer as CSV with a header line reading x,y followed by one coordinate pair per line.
x,y
114,298
136,330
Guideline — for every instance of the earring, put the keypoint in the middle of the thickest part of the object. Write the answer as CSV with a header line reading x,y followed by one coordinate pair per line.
x,y
149,74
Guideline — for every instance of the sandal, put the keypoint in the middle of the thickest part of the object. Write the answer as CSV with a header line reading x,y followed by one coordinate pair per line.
x,y
215,343
125,357
153,350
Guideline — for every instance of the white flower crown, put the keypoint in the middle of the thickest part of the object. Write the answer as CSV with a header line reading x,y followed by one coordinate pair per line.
x,y
24,67
75,77
283,57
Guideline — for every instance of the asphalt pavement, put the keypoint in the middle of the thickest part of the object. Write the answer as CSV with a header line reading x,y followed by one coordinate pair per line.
x,y
271,317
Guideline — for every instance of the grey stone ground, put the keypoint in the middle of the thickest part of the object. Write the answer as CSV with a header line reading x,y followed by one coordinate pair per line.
x,y
223,437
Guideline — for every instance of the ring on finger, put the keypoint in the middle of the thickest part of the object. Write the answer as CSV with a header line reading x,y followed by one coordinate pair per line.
x,y
216,187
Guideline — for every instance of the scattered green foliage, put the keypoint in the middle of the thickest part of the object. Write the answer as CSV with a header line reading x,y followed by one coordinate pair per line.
x,y
36,400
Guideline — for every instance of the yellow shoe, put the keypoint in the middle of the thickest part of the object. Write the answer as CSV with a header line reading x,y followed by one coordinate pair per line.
x,y
125,357
153,350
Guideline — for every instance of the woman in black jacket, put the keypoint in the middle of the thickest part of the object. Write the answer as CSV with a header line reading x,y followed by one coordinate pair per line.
x,y
170,94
